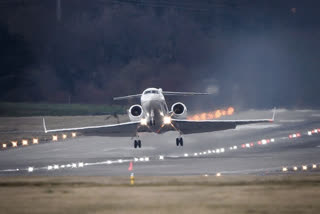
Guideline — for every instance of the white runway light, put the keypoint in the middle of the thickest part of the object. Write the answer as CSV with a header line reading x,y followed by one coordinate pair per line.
x,y
74,165
141,159
309,133
64,136
24,142
218,174
235,147
54,137
314,166
30,169
50,167
14,143
222,150
80,164
56,166
284,169
209,152
35,140
109,162
147,159
304,167
137,159
161,157
120,161
218,151
4,145
73,134
272,140
295,168
186,155
195,154
204,153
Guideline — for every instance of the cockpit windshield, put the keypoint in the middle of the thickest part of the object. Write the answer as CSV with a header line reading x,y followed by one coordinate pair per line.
x,y
151,92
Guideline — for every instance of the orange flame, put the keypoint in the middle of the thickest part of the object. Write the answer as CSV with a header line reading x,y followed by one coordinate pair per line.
x,y
212,115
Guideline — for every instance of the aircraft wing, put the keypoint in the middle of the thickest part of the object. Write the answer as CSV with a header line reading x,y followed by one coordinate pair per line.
x,y
199,126
121,129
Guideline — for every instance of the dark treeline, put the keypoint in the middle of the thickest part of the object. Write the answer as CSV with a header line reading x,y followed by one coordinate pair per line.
x,y
251,55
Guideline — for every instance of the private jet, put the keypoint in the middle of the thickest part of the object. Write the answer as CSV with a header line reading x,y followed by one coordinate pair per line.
x,y
153,115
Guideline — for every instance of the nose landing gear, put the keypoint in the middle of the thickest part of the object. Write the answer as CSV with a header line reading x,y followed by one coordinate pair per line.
x,y
179,141
152,122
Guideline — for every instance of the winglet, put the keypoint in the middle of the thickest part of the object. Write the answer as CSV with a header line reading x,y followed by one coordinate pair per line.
x,y
44,125
274,114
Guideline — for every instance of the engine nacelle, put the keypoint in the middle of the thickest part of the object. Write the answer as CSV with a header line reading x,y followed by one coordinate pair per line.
x,y
179,110
135,112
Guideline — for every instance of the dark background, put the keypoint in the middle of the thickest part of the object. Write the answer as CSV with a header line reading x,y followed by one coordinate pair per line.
x,y
251,54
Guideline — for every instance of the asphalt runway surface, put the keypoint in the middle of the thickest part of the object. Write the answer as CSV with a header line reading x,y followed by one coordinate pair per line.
x,y
249,149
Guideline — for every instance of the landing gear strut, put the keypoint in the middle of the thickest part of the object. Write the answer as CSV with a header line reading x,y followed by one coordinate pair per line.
x,y
137,144
152,122
179,141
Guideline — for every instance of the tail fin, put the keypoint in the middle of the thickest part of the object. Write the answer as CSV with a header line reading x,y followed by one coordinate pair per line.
x,y
127,97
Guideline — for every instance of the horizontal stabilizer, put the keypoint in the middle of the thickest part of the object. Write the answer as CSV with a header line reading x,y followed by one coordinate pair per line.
x,y
127,97
172,93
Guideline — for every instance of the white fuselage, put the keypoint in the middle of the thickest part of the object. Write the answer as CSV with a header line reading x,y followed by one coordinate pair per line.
x,y
153,104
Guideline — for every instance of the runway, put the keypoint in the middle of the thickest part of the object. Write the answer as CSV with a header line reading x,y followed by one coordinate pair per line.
x,y
250,149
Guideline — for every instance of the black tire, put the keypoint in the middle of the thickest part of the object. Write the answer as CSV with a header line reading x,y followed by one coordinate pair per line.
x,y
135,144
139,143
181,141
177,141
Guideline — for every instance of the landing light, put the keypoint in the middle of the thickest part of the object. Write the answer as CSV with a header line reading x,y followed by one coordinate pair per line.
x,y
143,121
167,120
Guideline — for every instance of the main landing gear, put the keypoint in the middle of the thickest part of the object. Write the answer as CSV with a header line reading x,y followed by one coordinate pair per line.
x,y
179,141
137,144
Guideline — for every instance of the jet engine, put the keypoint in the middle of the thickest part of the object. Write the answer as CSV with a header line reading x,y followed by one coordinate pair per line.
x,y
179,110
135,112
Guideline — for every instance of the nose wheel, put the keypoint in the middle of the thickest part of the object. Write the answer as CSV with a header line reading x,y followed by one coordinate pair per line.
x,y
137,144
179,141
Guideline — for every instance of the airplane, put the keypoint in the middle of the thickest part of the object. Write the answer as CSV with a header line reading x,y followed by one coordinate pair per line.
x,y
153,115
